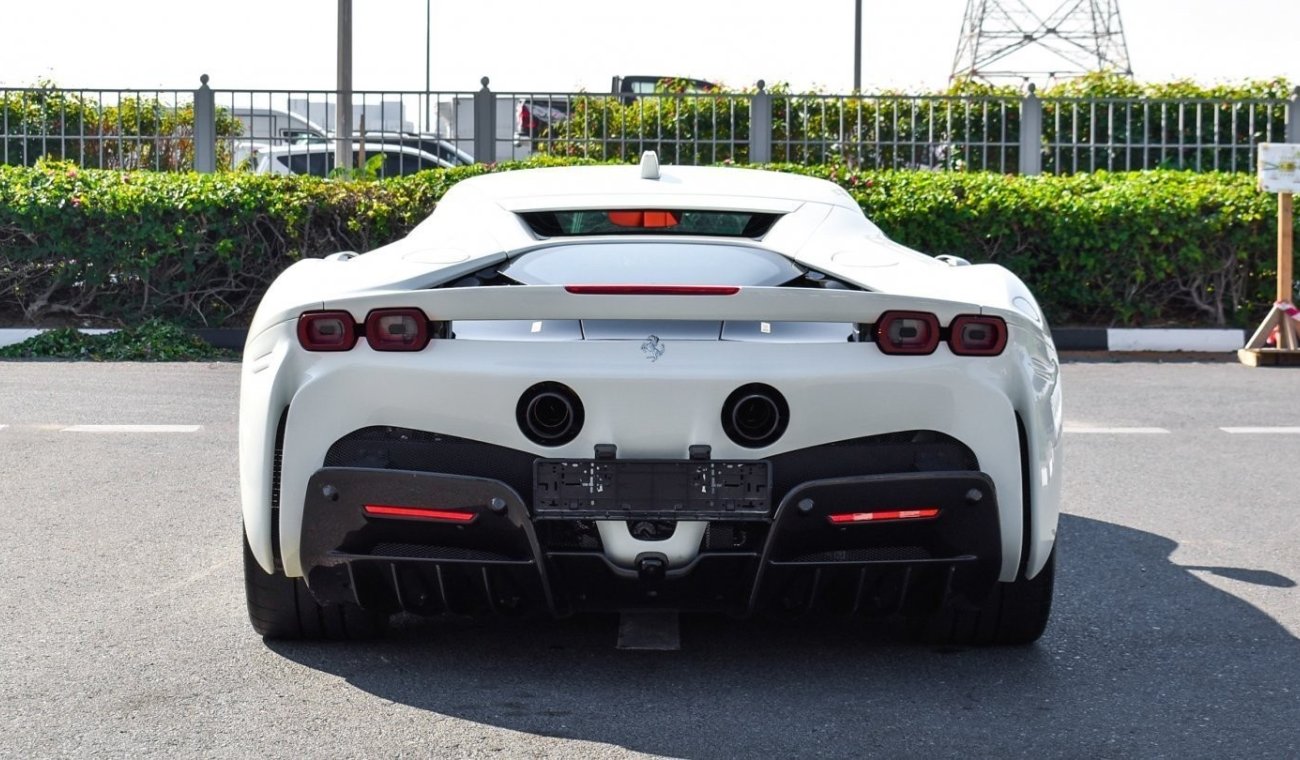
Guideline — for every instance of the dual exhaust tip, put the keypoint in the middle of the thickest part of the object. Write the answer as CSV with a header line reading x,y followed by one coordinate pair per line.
x,y
753,416
550,414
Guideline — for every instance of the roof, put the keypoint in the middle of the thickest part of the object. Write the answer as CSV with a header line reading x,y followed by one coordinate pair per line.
x,y
573,187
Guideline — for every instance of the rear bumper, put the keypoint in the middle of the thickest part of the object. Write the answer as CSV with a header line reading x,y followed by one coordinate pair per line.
x,y
506,560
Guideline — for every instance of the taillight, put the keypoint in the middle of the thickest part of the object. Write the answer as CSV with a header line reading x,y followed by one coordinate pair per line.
x,y
644,219
397,330
977,336
420,513
326,331
888,515
907,332
652,290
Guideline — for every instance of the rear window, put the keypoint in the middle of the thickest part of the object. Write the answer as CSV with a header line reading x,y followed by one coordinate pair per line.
x,y
746,224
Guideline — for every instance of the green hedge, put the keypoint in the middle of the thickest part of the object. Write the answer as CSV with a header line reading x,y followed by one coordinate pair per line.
x,y
1119,249
110,247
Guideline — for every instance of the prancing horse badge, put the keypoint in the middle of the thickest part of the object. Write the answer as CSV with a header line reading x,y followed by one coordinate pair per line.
x,y
652,348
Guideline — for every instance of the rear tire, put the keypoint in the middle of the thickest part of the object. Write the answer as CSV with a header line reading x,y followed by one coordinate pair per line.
x,y
280,607
1014,614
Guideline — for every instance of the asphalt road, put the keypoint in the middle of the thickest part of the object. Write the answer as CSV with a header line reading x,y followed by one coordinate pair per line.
x,y
122,626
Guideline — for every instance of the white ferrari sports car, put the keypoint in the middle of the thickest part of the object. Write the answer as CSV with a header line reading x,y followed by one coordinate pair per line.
x,y
632,389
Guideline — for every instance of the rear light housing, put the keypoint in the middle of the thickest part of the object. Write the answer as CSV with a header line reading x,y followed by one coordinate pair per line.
x,y
327,331
974,335
913,333
397,330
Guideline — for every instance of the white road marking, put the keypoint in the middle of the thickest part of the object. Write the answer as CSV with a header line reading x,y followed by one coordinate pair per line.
x,y
1117,430
1262,430
1148,339
133,429
178,585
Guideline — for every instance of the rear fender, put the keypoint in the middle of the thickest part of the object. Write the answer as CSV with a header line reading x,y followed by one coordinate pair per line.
x,y
1037,401
266,385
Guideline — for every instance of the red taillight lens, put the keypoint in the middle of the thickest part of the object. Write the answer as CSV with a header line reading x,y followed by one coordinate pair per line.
x,y
397,330
850,518
643,219
977,336
327,331
652,290
420,513
907,332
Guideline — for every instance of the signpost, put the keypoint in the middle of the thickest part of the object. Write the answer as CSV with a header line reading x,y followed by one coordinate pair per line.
x,y
1277,341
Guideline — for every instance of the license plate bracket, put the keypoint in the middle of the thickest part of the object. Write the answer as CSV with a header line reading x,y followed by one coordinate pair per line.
x,y
655,489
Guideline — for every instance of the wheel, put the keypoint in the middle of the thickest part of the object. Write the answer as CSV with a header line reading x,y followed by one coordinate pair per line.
x,y
1014,614
280,607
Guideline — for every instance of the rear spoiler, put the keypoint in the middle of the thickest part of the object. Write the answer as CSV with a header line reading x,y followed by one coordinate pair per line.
x,y
775,304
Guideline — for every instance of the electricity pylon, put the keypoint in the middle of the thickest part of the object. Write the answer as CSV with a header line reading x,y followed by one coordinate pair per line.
x,y
1006,41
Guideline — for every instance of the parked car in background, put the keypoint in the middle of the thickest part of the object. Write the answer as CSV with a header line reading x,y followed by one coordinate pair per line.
x,y
430,143
630,88
316,158
535,116
273,126
267,128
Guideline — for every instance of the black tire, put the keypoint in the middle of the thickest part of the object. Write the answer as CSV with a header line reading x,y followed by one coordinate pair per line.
x,y
1015,614
280,607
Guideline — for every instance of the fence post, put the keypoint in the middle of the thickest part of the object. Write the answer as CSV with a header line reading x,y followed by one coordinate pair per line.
x,y
205,128
1293,117
1031,133
485,125
760,125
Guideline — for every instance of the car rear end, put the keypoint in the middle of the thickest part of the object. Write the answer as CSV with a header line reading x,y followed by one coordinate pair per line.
x,y
594,447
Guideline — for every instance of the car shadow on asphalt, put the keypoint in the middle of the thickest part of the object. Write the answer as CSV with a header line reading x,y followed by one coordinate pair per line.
x,y
1141,658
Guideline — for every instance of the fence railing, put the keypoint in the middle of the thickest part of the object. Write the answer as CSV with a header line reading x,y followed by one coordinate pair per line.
x,y
294,130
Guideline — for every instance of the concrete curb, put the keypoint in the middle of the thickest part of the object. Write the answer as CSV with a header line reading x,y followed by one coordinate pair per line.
x,y
1067,338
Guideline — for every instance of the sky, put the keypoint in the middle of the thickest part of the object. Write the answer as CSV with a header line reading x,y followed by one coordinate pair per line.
x,y
563,45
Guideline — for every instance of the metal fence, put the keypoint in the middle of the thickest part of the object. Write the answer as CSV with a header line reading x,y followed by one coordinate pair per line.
x,y
121,129
294,131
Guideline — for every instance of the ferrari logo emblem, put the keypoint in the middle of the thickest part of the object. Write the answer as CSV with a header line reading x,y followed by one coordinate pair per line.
x,y
652,348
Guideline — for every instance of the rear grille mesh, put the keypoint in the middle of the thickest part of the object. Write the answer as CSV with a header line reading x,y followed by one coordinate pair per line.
x,y
392,448
421,551
277,461
868,554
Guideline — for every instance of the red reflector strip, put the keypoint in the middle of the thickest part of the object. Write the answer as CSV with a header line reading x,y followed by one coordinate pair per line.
x,y
445,515
893,514
653,290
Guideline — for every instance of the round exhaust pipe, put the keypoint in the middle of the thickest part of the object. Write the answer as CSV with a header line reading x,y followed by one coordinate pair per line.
x,y
549,414
755,415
